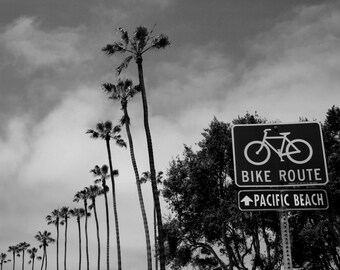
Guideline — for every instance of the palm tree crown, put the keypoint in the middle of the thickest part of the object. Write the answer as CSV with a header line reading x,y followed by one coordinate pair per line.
x,y
141,41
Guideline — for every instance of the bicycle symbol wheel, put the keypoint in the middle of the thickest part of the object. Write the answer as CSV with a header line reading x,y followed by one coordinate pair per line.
x,y
299,151
257,153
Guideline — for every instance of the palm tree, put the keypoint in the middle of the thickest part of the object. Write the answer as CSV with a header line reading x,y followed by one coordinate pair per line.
x,y
64,216
22,248
82,195
123,92
54,218
95,191
14,250
3,260
78,213
146,177
106,131
103,174
45,239
142,41
32,252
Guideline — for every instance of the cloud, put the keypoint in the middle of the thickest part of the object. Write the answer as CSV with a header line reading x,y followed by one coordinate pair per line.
x,y
298,68
25,39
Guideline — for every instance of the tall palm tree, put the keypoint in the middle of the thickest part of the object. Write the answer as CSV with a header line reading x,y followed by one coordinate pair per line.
x,y
33,255
3,260
107,132
103,174
23,246
54,218
145,178
123,92
14,250
142,41
78,213
83,196
45,239
95,191
64,217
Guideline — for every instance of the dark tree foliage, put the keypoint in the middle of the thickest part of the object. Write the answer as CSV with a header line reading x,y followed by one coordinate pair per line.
x,y
316,234
206,229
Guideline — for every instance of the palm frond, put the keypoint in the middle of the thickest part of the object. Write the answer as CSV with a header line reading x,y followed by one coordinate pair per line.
x,y
93,134
117,129
108,87
105,169
115,172
124,35
160,42
111,49
124,64
107,125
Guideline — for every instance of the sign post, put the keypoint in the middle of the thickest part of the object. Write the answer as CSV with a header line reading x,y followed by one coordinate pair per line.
x,y
280,156
287,253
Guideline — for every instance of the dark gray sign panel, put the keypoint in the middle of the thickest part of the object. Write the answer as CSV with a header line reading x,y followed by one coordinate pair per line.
x,y
276,155
285,200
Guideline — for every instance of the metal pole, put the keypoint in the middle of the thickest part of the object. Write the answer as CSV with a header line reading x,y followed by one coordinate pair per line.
x,y
285,236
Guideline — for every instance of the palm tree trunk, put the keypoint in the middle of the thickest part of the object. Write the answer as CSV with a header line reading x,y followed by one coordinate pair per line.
x,y
115,212
79,243
23,260
107,228
33,264
13,261
45,258
97,227
155,236
65,244
57,245
139,190
86,238
155,192
42,261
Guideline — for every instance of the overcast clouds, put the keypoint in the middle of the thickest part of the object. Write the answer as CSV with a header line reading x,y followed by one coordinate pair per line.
x,y
279,58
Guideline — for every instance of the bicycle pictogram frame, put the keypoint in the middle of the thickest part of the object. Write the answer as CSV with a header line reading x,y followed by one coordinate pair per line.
x,y
289,148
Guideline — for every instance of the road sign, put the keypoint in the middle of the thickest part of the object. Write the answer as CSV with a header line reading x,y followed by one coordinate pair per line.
x,y
276,155
285,200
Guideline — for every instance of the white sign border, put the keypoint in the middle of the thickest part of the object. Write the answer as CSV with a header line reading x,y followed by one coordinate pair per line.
x,y
278,185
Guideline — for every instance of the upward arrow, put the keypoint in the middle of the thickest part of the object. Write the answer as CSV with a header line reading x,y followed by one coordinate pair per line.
x,y
246,200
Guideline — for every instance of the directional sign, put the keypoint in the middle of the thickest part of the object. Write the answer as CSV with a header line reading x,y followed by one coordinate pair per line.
x,y
289,199
276,155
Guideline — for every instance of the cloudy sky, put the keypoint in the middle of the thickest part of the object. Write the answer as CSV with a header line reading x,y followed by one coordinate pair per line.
x,y
278,58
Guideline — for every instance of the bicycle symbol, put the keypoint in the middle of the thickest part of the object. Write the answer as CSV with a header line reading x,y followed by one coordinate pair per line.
x,y
258,152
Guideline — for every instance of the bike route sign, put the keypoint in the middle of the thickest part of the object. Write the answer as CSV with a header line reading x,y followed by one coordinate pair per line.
x,y
277,155
284,200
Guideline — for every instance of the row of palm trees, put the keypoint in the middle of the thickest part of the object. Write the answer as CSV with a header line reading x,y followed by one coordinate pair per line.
x,y
18,250
139,43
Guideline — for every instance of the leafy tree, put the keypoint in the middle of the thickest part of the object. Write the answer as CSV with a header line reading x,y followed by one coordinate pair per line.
x,y
45,239
84,196
94,191
320,230
124,91
54,218
78,213
206,228
108,132
136,46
